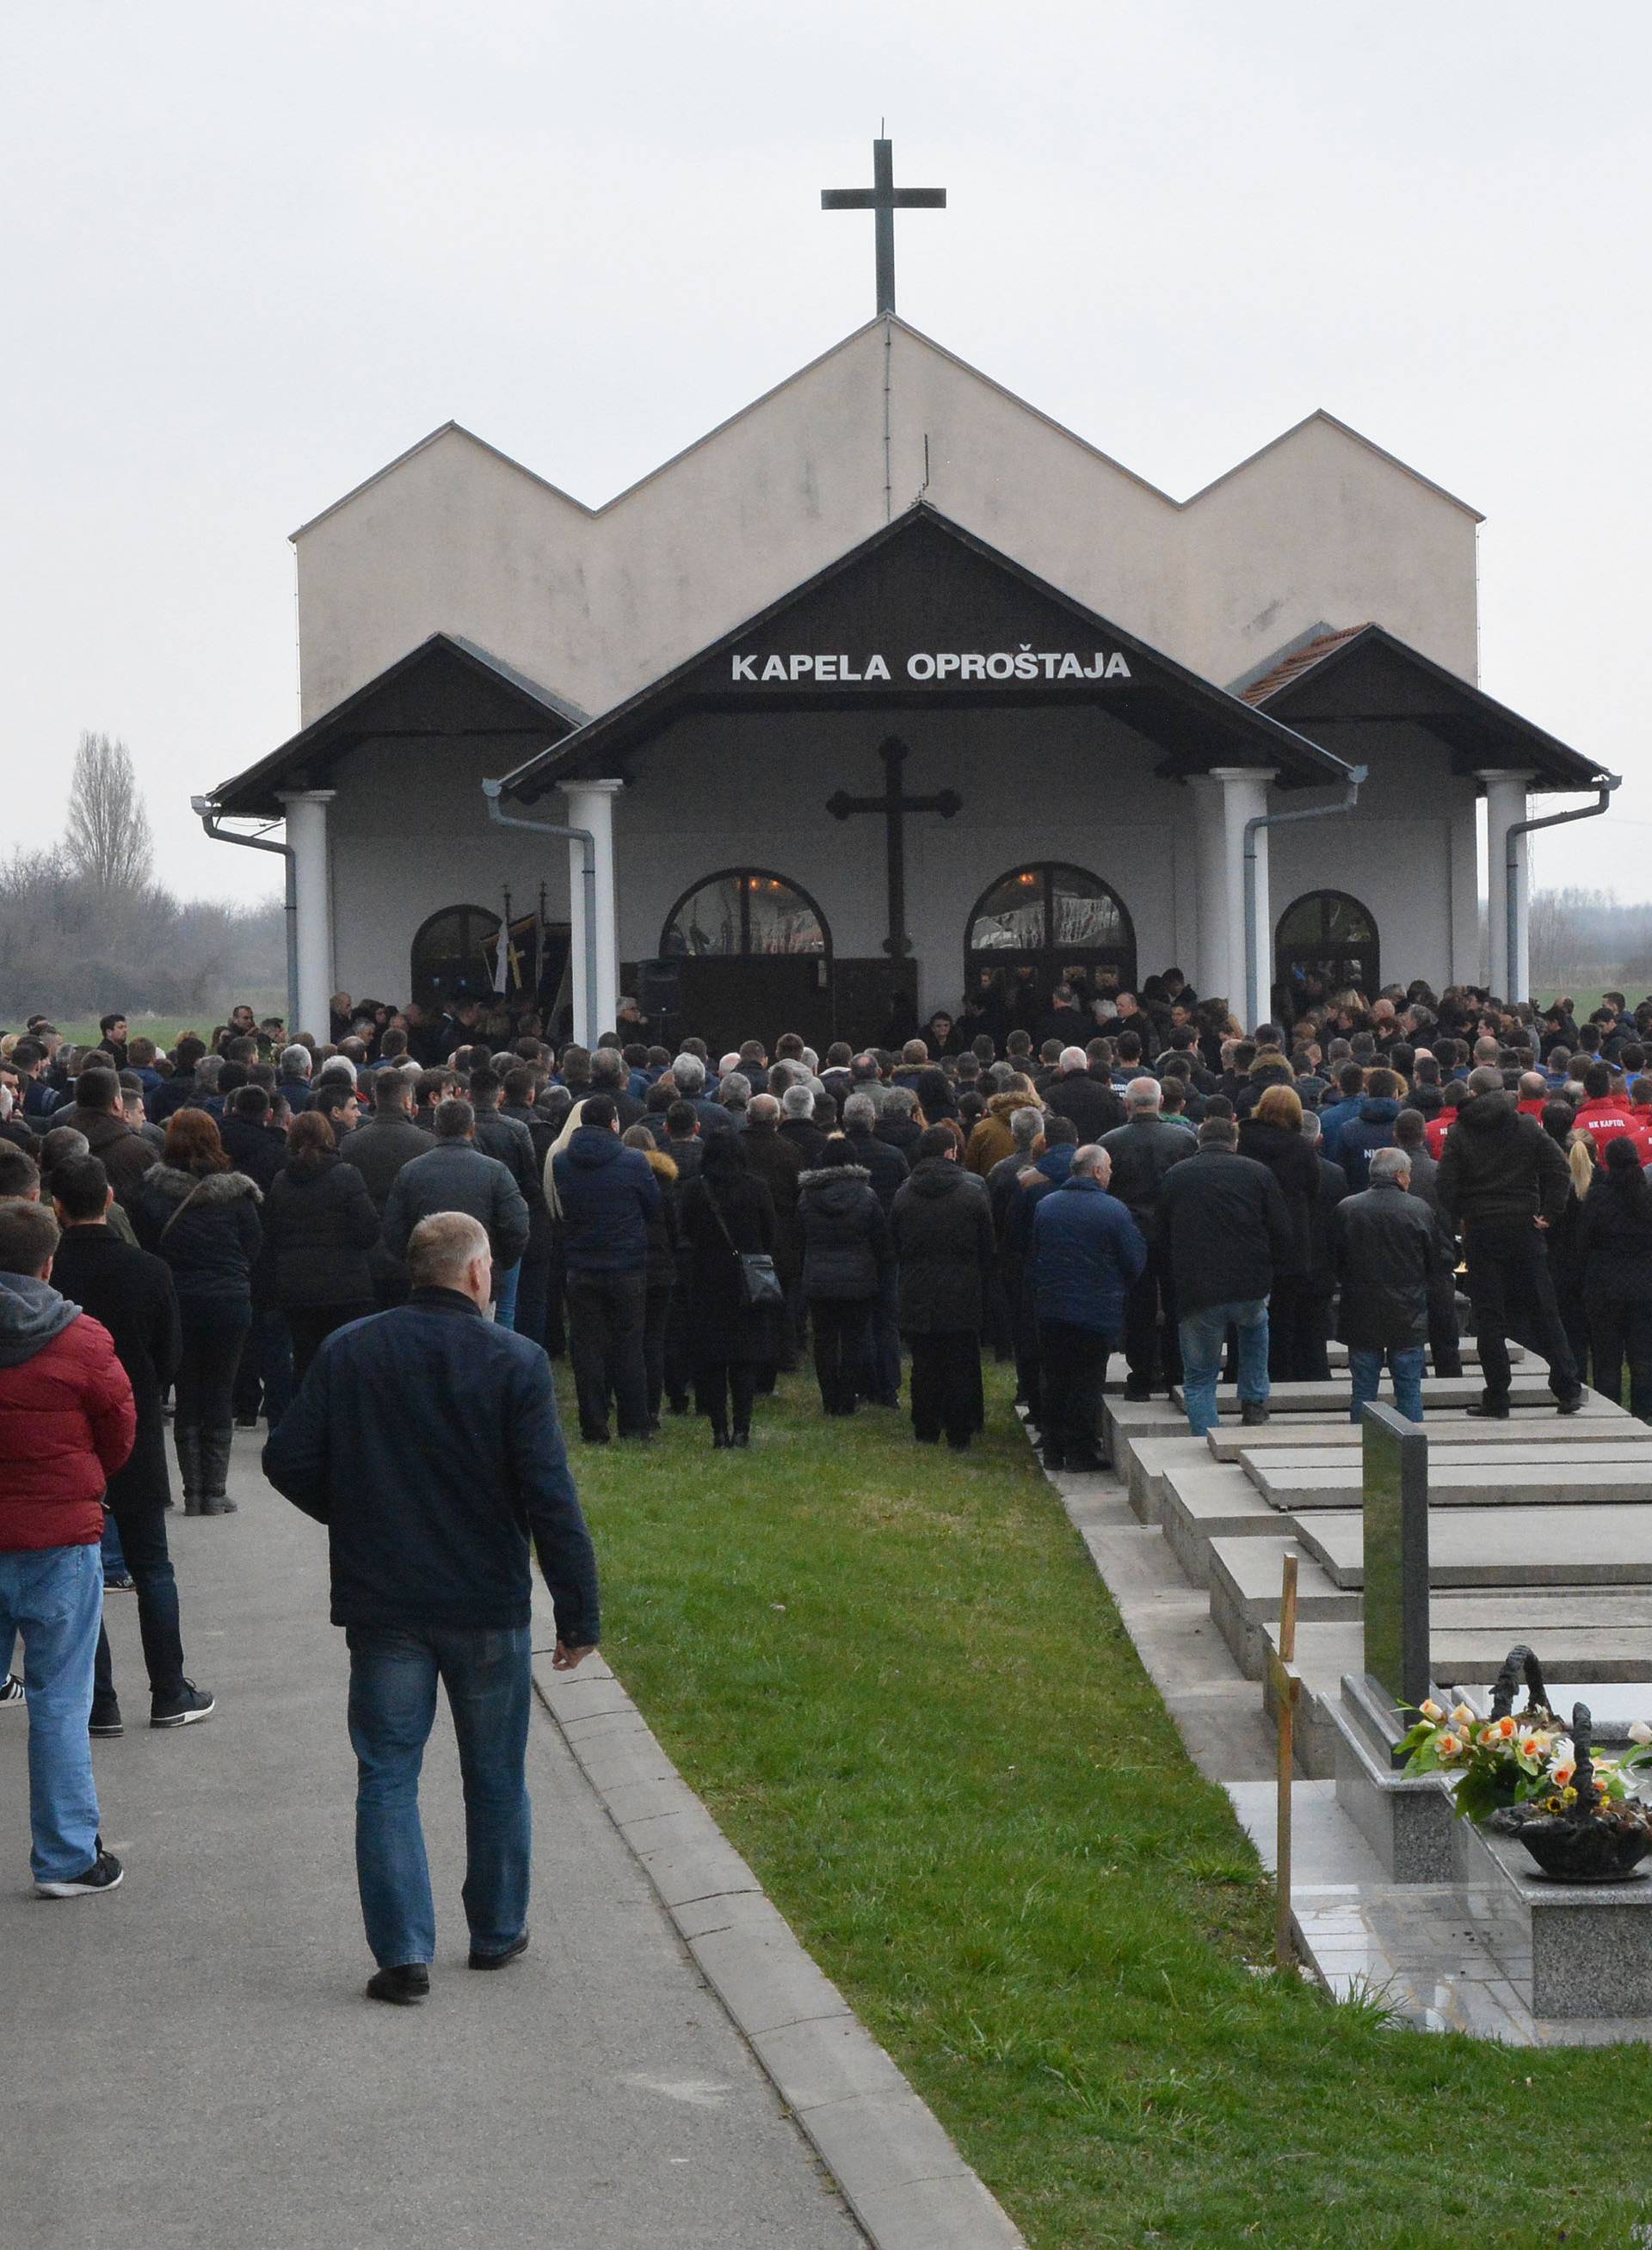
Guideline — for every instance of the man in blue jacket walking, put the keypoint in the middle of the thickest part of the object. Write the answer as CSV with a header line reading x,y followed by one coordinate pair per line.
x,y
457,1419
1086,1250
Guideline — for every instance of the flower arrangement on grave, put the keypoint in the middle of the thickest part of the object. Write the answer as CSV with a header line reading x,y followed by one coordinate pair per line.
x,y
1498,1762
1585,1827
1511,1759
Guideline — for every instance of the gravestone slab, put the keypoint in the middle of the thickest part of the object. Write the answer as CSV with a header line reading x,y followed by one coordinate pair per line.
x,y
1536,1548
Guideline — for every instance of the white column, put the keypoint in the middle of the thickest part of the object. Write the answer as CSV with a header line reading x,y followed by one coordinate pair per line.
x,y
1466,965
1232,797
1505,805
306,811
1210,961
590,804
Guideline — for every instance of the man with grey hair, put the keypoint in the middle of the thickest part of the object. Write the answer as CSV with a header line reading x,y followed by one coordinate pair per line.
x,y
1502,1182
798,1126
688,1075
610,1075
297,1063
1142,1152
1086,1252
1385,1249
1089,1101
734,1092
431,1580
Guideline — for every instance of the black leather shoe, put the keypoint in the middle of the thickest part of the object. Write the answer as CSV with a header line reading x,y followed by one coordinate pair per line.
x,y
403,1986
1572,1405
498,1960
1253,1413
1489,1410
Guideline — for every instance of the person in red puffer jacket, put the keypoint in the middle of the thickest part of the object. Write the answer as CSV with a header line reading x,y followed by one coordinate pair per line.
x,y
67,1422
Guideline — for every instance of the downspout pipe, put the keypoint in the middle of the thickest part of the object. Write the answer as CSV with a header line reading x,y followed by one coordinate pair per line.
x,y
1350,797
1605,784
210,818
493,791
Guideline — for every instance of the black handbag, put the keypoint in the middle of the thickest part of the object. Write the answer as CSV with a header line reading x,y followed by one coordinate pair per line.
x,y
757,1274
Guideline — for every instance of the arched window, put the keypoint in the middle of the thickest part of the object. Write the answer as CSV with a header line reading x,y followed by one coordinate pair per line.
x,y
1326,942
741,911
452,955
1031,926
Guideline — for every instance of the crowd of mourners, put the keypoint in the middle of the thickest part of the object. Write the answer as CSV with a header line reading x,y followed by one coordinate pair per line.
x,y
182,1232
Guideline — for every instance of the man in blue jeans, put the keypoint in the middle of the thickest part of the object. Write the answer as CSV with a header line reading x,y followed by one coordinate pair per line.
x,y
426,1440
1386,1247
66,1424
1224,1219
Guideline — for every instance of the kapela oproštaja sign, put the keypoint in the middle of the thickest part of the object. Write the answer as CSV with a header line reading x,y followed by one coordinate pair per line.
x,y
1024,663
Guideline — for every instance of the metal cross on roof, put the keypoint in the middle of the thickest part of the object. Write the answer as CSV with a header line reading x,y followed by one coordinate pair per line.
x,y
885,198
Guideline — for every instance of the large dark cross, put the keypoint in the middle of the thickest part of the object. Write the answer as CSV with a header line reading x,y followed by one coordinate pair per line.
x,y
894,807
885,198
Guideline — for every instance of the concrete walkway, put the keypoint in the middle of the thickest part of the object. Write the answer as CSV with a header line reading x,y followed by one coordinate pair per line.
x,y
191,2061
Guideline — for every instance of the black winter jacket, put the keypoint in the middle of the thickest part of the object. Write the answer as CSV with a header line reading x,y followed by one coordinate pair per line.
x,y
1091,1102
1227,1228
779,1165
319,1226
1614,1240
1296,1166
722,1328
1499,1168
1357,1142
1385,1248
886,1167
846,1236
1143,1153
942,1225
211,1246
130,1291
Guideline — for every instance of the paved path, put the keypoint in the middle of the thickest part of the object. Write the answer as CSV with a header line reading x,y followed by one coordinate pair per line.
x,y
191,2061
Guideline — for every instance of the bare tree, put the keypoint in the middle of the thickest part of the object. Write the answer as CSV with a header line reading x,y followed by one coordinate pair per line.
x,y
107,841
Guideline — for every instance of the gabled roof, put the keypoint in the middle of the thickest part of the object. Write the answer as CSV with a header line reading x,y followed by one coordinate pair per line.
x,y
1364,673
403,703
953,359
925,582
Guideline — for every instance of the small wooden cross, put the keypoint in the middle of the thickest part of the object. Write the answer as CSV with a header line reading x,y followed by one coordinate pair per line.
x,y
885,198
1286,1683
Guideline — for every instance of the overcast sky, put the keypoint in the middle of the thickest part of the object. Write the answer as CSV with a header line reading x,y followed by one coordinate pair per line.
x,y
253,251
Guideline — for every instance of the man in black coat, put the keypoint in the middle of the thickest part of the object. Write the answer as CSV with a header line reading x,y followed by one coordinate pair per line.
x,y
887,1169
942,1223
606,1193
1091,1102
263,1379
379,1149
1503,1183
1142,1152
99,1115
431,1580
130,1292
1222,1217
1385,1244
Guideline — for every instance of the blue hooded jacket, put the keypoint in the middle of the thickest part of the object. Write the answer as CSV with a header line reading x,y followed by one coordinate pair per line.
x,y
608,1193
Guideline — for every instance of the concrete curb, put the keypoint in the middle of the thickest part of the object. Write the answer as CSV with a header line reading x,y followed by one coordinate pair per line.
x,y
897,2169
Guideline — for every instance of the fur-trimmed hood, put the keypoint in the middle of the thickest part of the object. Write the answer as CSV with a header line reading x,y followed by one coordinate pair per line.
x,y
216,1187
826,1173
1006,1105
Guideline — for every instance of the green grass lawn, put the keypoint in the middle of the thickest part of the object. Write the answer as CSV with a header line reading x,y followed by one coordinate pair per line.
x,y
899,1685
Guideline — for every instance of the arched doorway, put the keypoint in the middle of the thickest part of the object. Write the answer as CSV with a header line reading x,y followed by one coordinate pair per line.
x,y
454,955
1325,942
752,955
1038,926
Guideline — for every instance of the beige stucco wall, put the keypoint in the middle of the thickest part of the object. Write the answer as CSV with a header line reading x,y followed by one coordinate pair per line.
x,y
1319,528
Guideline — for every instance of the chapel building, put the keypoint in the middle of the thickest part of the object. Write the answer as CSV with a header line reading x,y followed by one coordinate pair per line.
x,y
888,686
